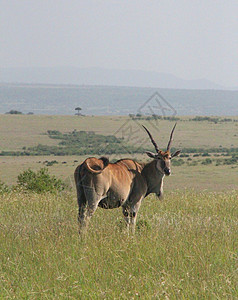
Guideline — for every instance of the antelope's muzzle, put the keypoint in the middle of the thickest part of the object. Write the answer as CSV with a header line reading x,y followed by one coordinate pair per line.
x,y
167,171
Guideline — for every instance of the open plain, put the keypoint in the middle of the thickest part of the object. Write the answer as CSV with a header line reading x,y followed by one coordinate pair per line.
x,y
185,246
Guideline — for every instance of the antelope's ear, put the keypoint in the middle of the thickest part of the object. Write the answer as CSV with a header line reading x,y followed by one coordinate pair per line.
x,y
150,154
176,153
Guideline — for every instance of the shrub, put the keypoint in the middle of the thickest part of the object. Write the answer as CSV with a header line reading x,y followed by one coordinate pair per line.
x,y
184,155
209,119
207,161
14,112
4,188
178,162
231,161
39,182
206,154
51,163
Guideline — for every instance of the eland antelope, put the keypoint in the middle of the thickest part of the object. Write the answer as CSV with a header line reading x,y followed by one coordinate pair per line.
x,y
123,183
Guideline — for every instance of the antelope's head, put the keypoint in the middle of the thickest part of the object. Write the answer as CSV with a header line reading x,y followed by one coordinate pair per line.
x,y
163,159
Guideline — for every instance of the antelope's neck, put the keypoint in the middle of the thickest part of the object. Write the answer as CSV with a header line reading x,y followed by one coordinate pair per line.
x,y
153,177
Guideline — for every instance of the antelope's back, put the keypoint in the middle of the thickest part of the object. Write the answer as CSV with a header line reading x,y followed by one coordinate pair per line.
x,y
126,173
102,175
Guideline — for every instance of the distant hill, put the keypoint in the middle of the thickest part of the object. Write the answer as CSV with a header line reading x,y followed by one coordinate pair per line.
x,y
109,100
99,76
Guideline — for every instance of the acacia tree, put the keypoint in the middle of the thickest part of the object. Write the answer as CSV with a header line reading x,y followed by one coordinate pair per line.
x,y
78,111
14,112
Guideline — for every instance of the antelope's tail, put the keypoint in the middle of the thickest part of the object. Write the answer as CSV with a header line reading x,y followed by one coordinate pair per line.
x,y
95,165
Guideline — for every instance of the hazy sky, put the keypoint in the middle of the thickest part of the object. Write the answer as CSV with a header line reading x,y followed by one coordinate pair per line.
x,y
190,39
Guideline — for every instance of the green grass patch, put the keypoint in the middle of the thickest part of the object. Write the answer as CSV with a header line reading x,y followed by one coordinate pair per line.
x,y
185,247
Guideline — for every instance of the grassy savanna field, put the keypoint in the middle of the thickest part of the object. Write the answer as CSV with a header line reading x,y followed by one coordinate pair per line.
x,y
18,131
185,246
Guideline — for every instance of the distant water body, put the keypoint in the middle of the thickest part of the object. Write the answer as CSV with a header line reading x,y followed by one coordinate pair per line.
x,y
109,100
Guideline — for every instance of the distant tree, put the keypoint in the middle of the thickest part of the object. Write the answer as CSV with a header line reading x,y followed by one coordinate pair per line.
x,y
78,111
14,112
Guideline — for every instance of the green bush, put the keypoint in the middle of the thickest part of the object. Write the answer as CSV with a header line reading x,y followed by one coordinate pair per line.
x,y
178,162
211,119
184,155
14,112
82,143
4,188
51,163
231,161
39,182
206,154
207,161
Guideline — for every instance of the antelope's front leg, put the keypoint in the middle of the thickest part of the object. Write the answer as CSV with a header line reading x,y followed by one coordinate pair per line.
x,y
133,216
161,192
126,212
130,216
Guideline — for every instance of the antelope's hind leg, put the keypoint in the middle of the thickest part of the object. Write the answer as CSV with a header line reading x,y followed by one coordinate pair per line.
x,y
82,201
87,207
92,200
82,210
87,197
